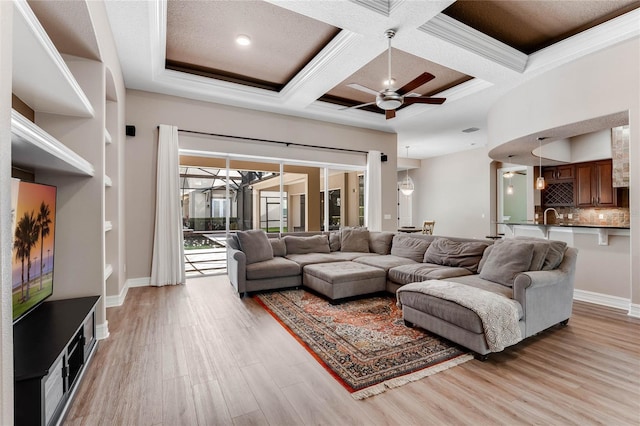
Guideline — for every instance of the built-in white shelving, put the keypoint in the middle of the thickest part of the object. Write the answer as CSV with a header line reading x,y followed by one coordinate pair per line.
x,y
32,146
107,137
107,181
41,78
108,270
108,226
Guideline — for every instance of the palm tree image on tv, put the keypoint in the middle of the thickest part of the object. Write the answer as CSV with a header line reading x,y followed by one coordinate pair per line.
x,y
25,239
44,220
33,246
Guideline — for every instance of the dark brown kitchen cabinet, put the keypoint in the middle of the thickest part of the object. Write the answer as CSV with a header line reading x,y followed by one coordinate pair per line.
x,y
565,172
594,184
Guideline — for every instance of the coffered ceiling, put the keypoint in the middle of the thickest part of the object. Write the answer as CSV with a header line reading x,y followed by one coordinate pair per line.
x,y
305,53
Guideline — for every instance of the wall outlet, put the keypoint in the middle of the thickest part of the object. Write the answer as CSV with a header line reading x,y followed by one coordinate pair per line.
x,y
560,216
536,215
600,216
569,215
387,216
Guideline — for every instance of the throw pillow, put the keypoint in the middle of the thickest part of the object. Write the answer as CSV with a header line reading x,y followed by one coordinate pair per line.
x,y
334,241
354,240
380,242
540,250
554,255
506,261
455,253
410,247
278,246
485,256
255,245
304,245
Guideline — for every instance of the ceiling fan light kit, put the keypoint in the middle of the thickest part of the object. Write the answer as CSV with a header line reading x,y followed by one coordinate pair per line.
x,y
390,99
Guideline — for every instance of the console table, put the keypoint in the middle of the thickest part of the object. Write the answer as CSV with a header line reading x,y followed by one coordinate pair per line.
x,y
52,346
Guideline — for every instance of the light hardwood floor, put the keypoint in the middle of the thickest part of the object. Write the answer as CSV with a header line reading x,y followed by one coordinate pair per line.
x,y
199,355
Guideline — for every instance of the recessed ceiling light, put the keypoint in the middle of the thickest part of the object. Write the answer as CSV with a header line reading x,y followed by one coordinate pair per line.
x,y
470,130
243,40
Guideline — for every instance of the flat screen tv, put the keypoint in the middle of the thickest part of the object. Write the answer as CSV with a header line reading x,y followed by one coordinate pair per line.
x,y
33,208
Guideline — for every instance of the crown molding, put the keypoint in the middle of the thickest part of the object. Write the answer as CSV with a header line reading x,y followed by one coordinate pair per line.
x,y
383,7
461,35
339,43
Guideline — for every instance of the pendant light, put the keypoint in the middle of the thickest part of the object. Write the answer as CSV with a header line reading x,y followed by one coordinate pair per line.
x,y
540,181
509,175
406,186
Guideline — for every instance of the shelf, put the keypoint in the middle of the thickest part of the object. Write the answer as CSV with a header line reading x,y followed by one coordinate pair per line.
x,y
108,226
107,137
35,148
108,270
41,78
107,181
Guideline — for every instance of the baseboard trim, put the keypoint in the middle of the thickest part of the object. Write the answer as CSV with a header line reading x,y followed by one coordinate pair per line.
x,y
118,300
634,310
102,330
138,282
602,299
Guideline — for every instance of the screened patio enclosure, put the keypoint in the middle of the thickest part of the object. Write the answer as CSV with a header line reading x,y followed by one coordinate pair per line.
x,y
269,196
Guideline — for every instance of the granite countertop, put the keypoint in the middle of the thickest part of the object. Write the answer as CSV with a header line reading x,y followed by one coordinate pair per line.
x,y
562,225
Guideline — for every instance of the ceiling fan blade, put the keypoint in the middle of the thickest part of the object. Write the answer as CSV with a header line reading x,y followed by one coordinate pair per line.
x,y
424,100
358,106
363,89
423,78
390,113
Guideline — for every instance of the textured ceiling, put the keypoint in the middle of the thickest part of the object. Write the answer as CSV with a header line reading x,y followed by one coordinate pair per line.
x,y
342,41
529,26
201,39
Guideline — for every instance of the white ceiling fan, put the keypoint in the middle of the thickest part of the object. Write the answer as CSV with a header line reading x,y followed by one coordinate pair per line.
x,y
390,98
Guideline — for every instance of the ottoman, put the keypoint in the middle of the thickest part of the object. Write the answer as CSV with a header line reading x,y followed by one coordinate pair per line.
x,y
338,280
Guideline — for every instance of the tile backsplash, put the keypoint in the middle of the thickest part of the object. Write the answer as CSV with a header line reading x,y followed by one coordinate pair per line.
x,y
588,216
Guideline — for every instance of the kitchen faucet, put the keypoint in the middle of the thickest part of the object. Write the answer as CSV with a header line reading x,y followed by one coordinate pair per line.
x,y
544,215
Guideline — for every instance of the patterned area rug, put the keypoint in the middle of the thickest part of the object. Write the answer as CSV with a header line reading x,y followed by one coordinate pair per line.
x,y
363,343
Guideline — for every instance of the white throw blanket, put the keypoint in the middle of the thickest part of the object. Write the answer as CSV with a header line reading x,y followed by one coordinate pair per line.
x,y
499,315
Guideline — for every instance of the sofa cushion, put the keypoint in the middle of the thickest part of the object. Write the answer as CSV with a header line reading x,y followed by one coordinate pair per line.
x,y
554,255
409,247
255,245
274,268
380,242
311,258
405,274
485,256
334,241
349,255
278,246
303,245
354,239
507,260
454,253
384,262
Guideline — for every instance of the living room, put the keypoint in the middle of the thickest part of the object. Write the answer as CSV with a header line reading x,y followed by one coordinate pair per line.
x,y
458,185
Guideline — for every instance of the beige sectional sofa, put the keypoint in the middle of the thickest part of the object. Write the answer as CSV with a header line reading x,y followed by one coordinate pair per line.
x,y
535,277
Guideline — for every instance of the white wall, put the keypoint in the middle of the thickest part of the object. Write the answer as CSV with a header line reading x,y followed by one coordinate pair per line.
x,y
591,146
454,190
147,110
580,93
6,237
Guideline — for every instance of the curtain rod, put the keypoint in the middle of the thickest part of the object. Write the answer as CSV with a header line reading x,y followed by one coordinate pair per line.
x,y
271,141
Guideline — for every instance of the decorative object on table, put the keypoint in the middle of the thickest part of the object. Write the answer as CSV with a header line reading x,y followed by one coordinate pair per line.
x,y
427,227
363,343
